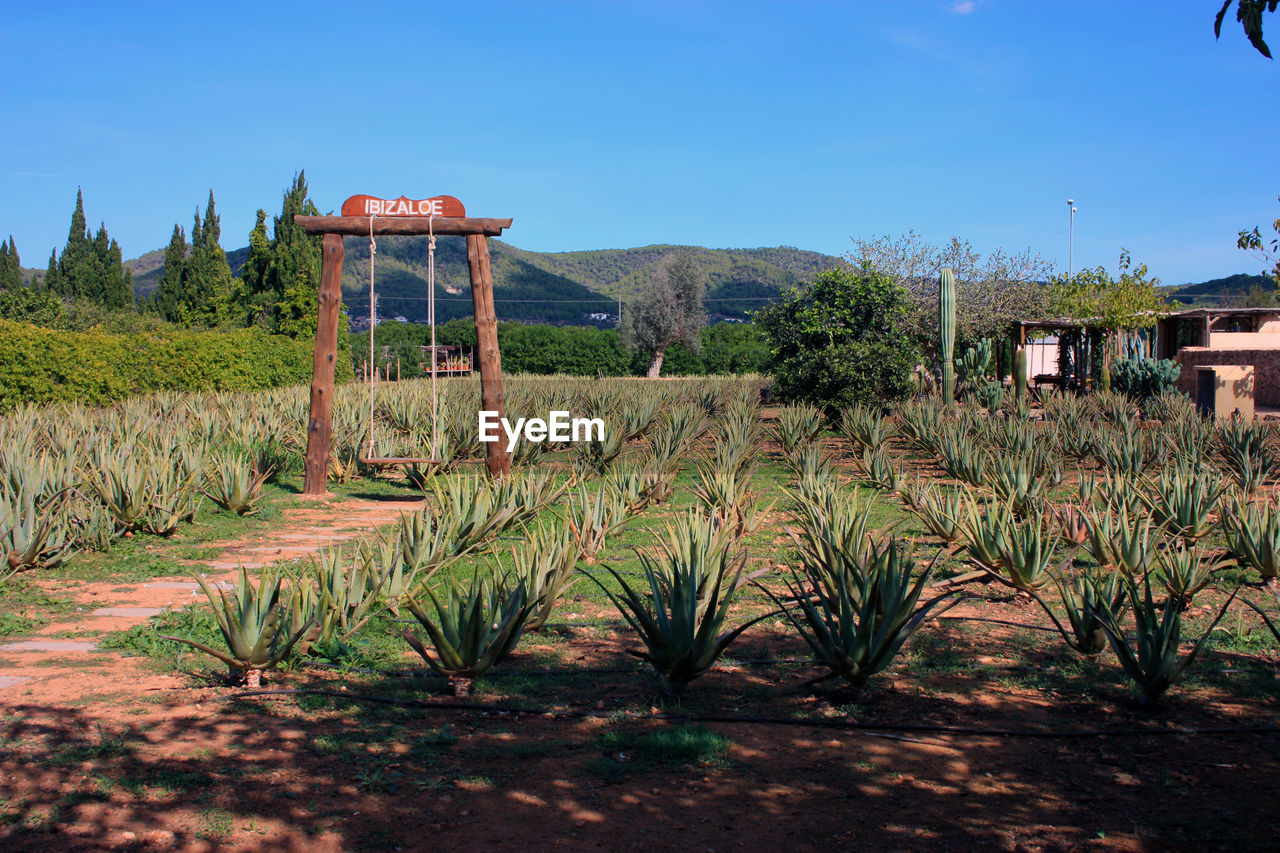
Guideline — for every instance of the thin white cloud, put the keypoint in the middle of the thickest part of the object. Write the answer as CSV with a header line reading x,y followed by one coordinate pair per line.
x,y
963,7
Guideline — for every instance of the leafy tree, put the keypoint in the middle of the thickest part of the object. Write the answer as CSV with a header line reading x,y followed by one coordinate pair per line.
x,y
991,292
734,348
668,312
1249,14
10,265
842,340
1269,251
167,299
1110,304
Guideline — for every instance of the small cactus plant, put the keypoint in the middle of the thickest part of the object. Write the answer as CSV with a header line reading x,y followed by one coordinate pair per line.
x,y
1020,372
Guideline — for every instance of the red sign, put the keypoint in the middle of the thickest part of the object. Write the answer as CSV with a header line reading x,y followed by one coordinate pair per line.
x,y
367,205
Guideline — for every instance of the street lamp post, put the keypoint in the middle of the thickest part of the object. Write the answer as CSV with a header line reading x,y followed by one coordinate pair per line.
x,y
1071,244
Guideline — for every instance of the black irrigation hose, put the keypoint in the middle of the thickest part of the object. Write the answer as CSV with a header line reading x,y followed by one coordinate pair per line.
x,y
999,622
853,725
413,673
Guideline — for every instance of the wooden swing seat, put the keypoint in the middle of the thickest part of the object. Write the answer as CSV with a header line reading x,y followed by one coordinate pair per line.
x,y
399,460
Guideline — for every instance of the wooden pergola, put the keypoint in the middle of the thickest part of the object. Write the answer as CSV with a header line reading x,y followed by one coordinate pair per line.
x,y
477,232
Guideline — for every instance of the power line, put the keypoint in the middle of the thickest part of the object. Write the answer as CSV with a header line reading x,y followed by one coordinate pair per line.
x,y
383,296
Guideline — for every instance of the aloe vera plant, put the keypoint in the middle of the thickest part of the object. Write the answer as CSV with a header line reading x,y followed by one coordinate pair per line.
x,y
921,423
937,508
254,625
545,565
865,426
1083,595
1184,571
468,509
857,618
1153,661
593,517
1246,450
812,467
1127,450
1182,500
691,582
1117,540
1253,536
233,484
1021,479
471,628
961,457
797,426
30,534
879,471
835,527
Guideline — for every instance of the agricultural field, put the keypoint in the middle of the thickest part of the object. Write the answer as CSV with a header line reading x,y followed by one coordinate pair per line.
x,y
726,625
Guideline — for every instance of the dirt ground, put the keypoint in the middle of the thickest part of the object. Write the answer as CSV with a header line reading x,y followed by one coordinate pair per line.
x,y
102,752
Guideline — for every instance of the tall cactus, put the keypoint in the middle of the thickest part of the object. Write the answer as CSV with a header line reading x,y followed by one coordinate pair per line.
x,y
947,332
1020,371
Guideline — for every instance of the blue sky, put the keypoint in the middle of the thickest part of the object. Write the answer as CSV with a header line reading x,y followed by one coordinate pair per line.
x,y
611,124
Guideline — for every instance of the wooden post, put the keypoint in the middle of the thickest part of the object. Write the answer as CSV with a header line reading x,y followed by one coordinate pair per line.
x,y
320,423
497,460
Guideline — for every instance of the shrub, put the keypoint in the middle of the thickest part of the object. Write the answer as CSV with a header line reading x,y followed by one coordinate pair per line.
x,y
843,340
45,365
1143,378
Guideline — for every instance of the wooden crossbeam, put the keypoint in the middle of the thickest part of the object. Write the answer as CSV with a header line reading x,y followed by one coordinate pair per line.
x,y
443,226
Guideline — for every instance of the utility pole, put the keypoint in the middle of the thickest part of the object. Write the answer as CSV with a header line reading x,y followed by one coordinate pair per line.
x,y
1071,244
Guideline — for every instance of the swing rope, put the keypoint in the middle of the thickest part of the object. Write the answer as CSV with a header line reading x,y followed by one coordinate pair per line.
x,y
431,318
371,457
373,322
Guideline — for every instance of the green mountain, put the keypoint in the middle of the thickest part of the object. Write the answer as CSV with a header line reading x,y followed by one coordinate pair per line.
x,y
1237,290
542,287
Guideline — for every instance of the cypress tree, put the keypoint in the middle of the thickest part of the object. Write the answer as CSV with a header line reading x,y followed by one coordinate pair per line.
x,y
95,283
168,296
207,286
10,266
51,282
15,263
75,267
117,281
294,275
256,266
295,253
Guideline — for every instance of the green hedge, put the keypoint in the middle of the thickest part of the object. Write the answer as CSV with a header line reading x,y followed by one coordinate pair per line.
x,y
40,365
572,350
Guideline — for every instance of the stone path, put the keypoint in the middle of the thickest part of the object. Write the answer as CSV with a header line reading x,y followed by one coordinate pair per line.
x,y
108,606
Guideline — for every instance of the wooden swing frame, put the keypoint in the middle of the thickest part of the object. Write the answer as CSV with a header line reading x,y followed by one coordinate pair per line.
x,y
477,231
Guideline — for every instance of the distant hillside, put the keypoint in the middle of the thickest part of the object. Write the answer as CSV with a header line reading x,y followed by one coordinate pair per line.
x,y
1222,292
539,287
566,287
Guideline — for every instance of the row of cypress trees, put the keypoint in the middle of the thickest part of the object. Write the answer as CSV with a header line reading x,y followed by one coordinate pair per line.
x,y
90,267
276,289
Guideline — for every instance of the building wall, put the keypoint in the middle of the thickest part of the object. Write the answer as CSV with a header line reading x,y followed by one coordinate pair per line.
x,y
1245,340
1266,367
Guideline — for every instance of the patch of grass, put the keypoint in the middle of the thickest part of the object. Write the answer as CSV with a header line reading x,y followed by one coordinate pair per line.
x,y
215,824
25,606
108,746
632,751
433,742
144,640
